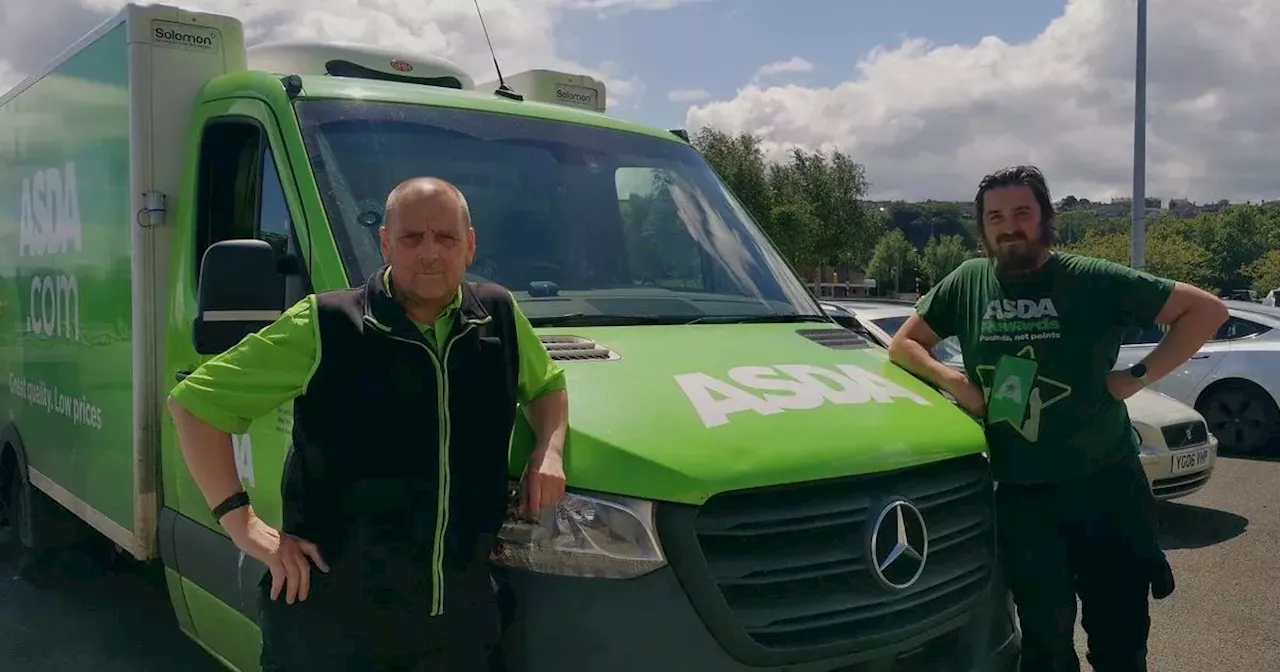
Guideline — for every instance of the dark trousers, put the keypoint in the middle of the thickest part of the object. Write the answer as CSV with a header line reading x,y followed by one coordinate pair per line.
x,y
1093,537
350,623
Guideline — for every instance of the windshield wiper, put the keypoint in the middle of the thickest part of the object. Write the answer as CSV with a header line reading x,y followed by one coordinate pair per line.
x,y
758,319
597,320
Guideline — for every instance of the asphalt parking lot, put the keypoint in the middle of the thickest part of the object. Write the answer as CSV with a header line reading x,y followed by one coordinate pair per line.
x,y
1223,544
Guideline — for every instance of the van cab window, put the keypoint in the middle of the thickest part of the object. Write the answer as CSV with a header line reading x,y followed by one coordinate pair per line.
x,y
584,225
240,194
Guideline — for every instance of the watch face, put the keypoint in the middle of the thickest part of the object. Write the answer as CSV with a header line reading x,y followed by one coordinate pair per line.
x,y
1138,370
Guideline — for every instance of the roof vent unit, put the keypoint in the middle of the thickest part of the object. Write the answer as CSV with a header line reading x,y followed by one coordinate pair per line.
x,y
561,88
357,61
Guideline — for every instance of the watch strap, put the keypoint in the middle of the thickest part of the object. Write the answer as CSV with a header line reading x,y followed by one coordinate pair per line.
x,y
235,501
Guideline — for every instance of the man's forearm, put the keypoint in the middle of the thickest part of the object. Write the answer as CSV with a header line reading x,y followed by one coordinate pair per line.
x,y
1186,335
549,419
210,458
913,356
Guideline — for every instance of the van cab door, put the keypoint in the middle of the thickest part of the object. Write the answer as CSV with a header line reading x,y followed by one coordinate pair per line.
x,y
244,187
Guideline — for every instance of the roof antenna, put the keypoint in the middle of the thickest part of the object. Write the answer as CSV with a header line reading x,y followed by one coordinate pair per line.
x,y
503,90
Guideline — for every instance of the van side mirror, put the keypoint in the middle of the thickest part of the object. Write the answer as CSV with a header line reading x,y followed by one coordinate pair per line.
x,y
241,291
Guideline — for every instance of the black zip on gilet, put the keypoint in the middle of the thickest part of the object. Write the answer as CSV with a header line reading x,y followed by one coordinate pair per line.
x,y
366,475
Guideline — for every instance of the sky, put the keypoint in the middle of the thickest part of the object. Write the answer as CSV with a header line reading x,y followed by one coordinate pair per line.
x,y
928,95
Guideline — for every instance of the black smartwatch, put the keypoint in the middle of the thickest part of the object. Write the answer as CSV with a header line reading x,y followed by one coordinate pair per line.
x,y
239,499
1139,371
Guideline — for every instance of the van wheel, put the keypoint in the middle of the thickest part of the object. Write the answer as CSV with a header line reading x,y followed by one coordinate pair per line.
x,y
16,538
44,543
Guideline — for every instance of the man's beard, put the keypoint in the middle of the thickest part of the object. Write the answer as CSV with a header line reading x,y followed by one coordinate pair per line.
x,y
1013,260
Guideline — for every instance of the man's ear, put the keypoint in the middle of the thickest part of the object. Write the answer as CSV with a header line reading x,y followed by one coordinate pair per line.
x,y
384,241
471,245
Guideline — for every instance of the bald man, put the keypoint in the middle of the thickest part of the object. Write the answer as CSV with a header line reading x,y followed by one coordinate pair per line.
x,y
405,392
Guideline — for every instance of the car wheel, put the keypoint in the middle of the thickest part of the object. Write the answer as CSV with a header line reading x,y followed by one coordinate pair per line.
x,y
1242,416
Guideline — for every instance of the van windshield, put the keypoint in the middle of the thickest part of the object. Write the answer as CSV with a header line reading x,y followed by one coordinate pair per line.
x,y
583,225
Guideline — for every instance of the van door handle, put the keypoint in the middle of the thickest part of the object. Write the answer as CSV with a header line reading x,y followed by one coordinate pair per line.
x,y
1199,356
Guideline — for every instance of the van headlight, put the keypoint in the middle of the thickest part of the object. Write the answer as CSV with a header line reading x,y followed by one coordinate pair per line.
x,y
598,536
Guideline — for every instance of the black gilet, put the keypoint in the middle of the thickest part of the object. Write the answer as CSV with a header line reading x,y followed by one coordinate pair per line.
x,y
389,432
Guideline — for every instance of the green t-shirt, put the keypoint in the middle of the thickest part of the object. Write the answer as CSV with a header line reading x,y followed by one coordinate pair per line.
x,y
274,365
1041,347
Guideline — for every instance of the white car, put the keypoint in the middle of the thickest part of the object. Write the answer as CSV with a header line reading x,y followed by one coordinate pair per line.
x,y
1233,381
1177,450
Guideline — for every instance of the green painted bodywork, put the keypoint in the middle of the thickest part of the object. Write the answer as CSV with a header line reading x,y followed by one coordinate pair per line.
x,y
634,430
65,142
615,445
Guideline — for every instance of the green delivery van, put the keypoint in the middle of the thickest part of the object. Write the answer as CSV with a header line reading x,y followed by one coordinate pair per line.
x,y
751,486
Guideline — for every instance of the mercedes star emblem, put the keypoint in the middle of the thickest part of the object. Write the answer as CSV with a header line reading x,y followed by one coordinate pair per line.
x,y
899,545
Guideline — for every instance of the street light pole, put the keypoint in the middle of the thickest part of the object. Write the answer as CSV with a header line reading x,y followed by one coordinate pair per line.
x,y
1138,231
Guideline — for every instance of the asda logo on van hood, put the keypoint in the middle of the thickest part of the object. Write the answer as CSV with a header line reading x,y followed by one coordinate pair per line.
x,y
770,390
186,37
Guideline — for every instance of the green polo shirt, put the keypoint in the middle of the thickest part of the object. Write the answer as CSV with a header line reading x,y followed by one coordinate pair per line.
x,y
271,367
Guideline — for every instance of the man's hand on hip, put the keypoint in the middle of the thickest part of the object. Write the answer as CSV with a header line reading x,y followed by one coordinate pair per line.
x,y
284,554
543,481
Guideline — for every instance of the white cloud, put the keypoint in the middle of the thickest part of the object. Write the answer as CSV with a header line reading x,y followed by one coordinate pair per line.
x,y
930,120
522,30
793,65
688,95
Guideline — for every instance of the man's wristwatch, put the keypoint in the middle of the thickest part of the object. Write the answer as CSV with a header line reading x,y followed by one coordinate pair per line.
x,y
1139,371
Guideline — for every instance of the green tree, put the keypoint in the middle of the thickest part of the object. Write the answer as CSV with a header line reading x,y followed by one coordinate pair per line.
x,y
923,221
1234,238
943,255
894,262
1168,254
740,162
832,187
1109,246
810,205
795,230
1073,225
1265,272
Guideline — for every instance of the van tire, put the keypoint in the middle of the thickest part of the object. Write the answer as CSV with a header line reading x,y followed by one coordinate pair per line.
x,y
16,537
43,540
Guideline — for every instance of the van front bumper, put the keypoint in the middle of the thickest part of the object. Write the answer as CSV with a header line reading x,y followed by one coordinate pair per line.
x,y
645,624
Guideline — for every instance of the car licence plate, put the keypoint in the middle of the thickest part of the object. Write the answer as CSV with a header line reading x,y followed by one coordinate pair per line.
x,y
1190,460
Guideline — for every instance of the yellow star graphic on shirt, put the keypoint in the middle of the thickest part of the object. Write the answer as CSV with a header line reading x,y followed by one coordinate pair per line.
x,y
1046,393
